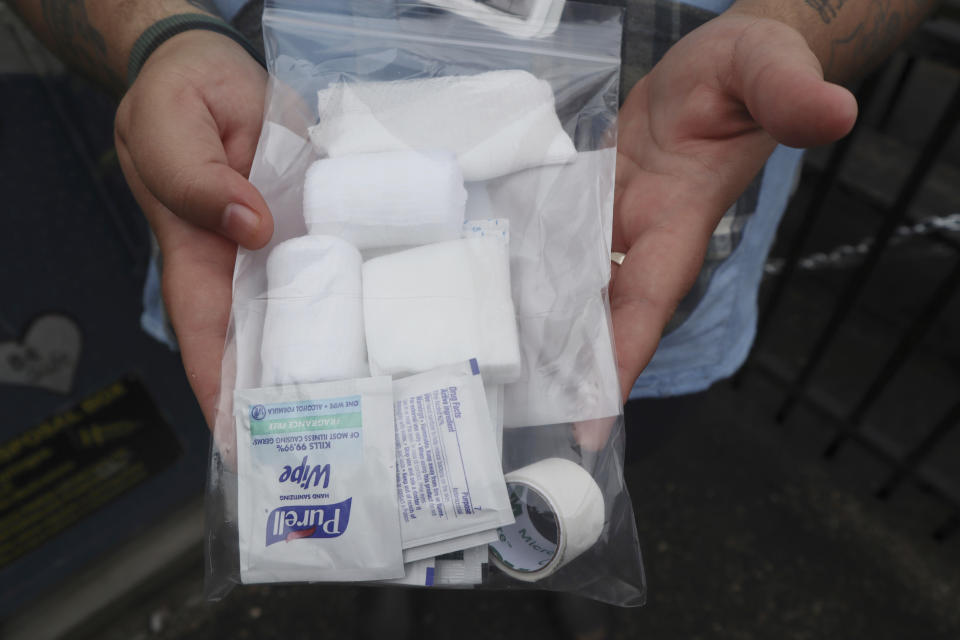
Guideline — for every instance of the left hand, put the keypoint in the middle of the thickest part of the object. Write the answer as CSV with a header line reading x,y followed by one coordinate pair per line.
x,y
692,135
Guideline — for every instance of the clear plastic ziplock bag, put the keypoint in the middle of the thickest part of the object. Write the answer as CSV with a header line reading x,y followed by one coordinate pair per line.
x,y
434,299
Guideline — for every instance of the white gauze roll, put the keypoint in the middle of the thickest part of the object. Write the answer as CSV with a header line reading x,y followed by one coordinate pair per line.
x,y
496,123
439,304
313,329
561,517
391,199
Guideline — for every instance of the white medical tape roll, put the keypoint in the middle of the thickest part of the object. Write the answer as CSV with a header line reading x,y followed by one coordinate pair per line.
x,y
559,515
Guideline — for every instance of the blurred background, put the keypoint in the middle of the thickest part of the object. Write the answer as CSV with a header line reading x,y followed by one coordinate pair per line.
x,y
816,494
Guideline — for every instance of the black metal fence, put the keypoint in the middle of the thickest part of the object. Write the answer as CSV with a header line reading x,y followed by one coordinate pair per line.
x,y
937,41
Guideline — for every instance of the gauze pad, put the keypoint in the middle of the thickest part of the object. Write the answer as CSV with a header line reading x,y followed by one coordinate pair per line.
x,y
391,199
439,304
313,326
496,123
317,492
449,478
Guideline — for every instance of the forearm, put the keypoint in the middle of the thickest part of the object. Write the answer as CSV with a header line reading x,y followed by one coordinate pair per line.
x,y
94,37
849,37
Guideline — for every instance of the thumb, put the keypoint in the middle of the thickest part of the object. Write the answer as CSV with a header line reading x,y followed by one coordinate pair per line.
x,y
176,150
781,82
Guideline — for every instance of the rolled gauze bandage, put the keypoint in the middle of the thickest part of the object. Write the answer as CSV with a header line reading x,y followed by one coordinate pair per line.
x,y
559,515
313,329
391,199
497,122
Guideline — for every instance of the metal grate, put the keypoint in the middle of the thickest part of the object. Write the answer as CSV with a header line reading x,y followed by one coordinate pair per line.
x,y
850,426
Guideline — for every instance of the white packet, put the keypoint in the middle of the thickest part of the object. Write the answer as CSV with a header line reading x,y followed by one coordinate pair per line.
x,y
434,549
419,573
461,568
317,494
449,476
495,406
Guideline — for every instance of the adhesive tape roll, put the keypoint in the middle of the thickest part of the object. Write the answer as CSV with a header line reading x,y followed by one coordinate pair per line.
x,y
559,515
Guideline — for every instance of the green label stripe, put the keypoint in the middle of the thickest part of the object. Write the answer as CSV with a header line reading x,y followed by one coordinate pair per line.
x,y
306,423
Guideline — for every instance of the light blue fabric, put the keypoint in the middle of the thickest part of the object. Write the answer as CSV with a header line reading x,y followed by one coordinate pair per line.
x,y
716,6
229,8
153,320
714,341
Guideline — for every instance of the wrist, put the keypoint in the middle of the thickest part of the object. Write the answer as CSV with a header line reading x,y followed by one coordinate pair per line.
x,y
177,26
123,24
795,15
847,38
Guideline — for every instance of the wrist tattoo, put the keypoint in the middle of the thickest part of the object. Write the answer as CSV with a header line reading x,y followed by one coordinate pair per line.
x,y
78,40
828,9
882,26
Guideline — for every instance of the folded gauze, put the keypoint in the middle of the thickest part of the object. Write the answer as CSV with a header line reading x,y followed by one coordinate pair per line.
x,y
439,304
390,199
496,123
313,329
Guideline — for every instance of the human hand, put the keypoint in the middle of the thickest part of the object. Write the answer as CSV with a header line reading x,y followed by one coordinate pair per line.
x,y
692,135
185,133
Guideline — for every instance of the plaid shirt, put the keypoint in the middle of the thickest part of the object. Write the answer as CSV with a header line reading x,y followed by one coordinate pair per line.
x,y
651,28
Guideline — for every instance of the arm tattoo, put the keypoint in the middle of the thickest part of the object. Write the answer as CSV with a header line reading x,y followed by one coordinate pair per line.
x,y
78,40
883,26
828,9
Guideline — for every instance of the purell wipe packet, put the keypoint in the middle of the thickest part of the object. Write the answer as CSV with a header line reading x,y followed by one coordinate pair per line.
x,y
317,482
449,476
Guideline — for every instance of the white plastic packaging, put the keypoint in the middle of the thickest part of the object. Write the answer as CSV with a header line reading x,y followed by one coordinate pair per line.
x,y
437,549
461,568
419,573
540,159
317,482
449,478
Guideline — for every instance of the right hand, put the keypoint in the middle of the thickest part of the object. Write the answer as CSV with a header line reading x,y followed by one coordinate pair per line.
x,y
185,133
693,133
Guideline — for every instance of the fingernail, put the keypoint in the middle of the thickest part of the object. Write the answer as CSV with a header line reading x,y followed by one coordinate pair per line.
x,y
239,221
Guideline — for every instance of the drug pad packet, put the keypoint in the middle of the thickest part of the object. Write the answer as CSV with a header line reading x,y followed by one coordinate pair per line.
x,y
449,477
317,482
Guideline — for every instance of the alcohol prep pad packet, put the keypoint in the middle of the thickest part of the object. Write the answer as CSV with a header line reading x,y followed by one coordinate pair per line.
x,y
317,482
449,477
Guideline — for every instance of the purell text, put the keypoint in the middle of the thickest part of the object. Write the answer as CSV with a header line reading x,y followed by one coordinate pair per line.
x,y
308,521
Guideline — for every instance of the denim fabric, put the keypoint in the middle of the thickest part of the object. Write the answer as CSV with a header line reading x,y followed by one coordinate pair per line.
x,y
154,320
715,339
229,8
